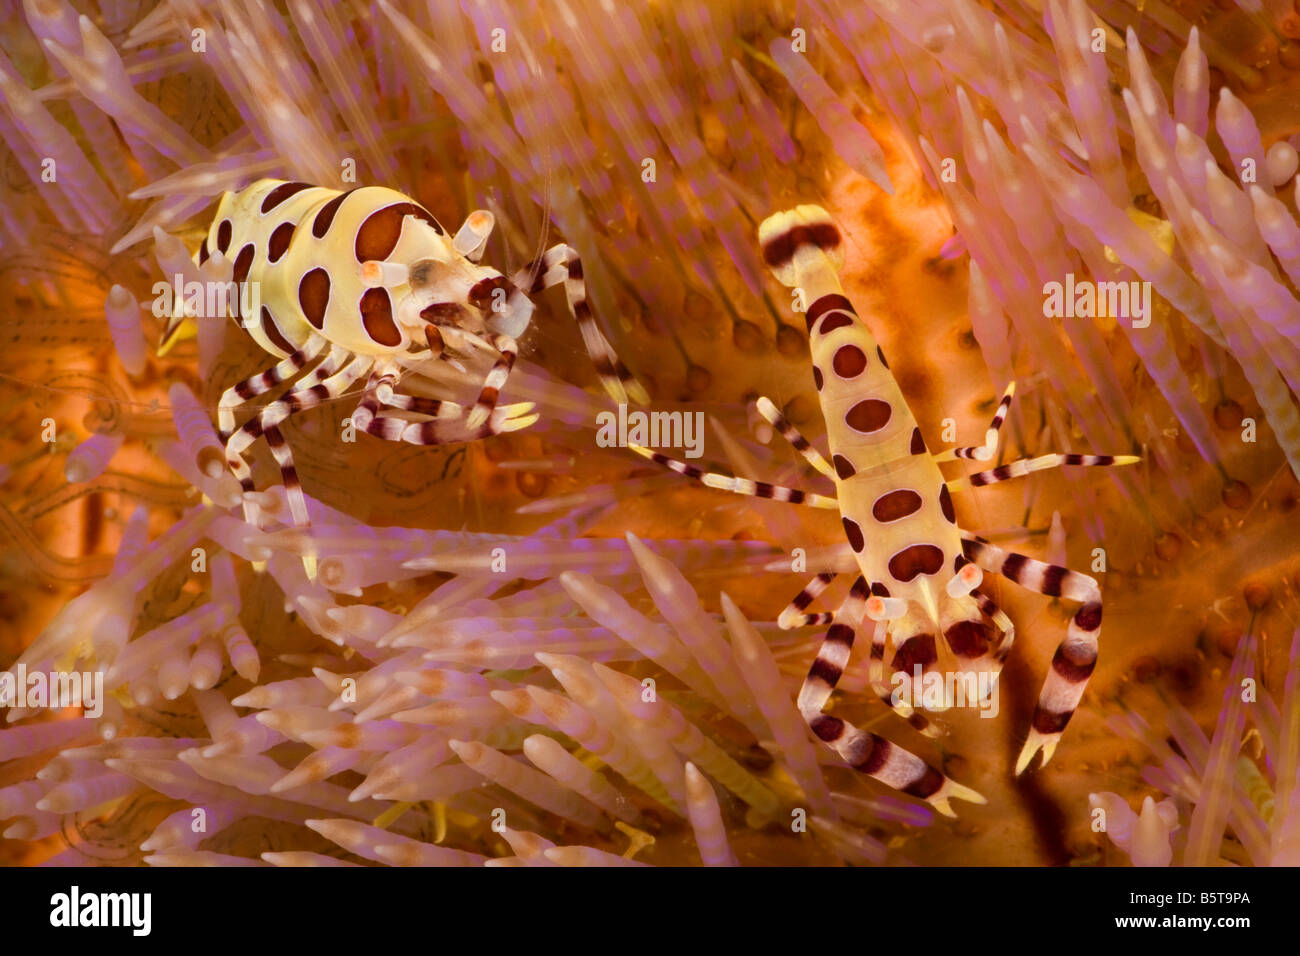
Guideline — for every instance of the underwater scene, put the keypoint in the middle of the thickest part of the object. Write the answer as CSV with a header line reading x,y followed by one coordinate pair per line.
x,y
585,433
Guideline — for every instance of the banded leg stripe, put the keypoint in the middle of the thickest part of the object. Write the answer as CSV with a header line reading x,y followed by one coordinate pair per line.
x,y
374,416
793,617
1004,627
267,422
262,382
560,264
1075,657
867,752
1039,576
792,435
496,377
433,407
833,654
986,451
740,486
1016,469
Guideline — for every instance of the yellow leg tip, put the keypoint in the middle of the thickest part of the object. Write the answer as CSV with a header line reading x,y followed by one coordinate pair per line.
x,y
518,424
952,790
1035,743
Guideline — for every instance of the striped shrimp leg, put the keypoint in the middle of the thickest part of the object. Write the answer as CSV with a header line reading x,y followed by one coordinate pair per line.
x,y
918,647
307,395
374,415
1075,657
308,385
263,382
508,350
368,418
505,418
561,264
332,363
327,382
794,616
867,752
1005,628
1024,466
241,392
739,486
499,297
773,415
299,399
986,451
